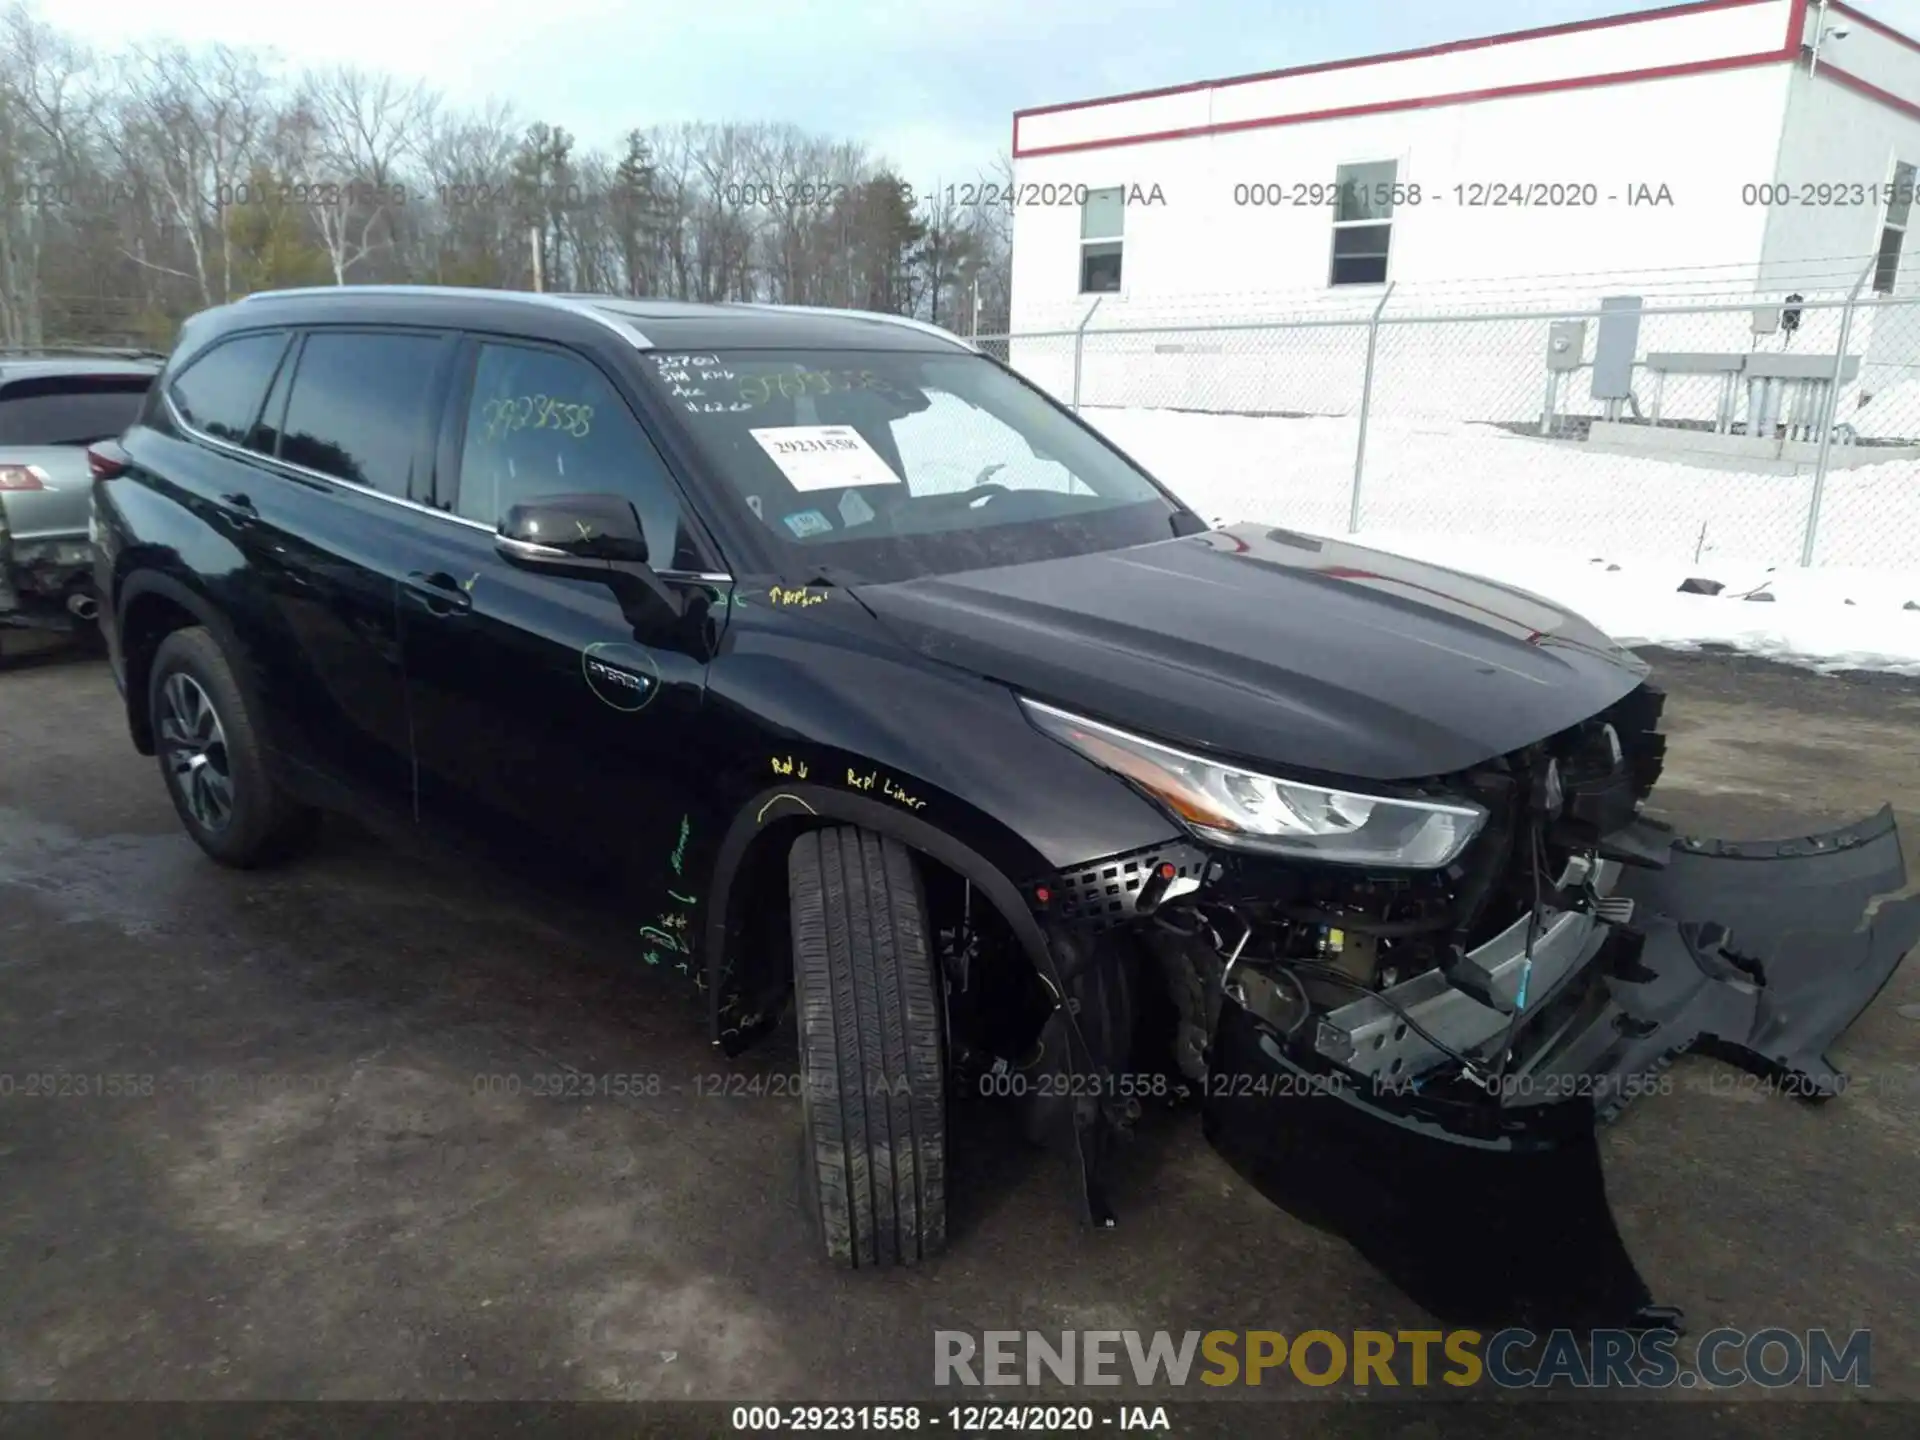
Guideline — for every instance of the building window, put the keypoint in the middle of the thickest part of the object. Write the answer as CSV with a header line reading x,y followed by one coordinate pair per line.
x,y
1362,222
1893,232
1101,214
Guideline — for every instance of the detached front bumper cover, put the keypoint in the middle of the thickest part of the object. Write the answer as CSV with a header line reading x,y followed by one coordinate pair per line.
x,y
1789,942
1494,1210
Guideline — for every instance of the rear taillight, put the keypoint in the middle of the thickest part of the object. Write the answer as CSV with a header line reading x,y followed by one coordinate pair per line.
x,y
106,460
22,477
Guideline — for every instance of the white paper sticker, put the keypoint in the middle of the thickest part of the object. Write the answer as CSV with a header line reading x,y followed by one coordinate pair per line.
x,y
824,457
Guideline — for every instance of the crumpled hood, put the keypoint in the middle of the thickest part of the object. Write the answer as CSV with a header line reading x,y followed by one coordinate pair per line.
x,y
1289,650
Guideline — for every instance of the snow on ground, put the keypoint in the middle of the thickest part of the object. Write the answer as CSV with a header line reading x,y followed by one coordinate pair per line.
x,y
1889,412
1827,619
1610,537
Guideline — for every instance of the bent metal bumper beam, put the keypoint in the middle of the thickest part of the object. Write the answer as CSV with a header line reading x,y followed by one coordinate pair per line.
x,y
1494,1211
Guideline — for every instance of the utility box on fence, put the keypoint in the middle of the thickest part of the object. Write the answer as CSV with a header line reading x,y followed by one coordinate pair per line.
x,y
1614,347
1566,344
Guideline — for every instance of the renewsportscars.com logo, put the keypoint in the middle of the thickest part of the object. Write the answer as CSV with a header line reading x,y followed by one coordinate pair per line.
x,y
1509,1359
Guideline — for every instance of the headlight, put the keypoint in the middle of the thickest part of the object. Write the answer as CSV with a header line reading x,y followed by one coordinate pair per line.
x,y
1250,811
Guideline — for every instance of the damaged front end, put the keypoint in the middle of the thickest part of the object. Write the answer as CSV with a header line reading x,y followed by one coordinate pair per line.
x,y
1412,1058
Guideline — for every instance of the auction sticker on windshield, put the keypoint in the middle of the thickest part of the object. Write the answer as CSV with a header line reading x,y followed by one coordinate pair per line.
x,y
824,457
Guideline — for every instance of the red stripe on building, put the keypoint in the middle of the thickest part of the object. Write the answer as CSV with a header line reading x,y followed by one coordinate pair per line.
x,y
1419,102
1450,47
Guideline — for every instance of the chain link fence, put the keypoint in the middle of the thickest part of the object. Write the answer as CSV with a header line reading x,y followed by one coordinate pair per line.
x,y
1787,434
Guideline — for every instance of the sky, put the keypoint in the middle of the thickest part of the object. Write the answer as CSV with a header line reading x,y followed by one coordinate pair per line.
x,y
933,87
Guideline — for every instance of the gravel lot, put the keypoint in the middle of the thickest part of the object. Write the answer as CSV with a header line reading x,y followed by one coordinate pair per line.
x,y
325,1197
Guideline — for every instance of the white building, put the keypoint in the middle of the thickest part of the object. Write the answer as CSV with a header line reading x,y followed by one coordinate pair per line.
x,y
1730,150
1710,138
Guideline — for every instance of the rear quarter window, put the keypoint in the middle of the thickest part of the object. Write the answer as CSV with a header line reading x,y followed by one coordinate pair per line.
x,y
69,409
220,392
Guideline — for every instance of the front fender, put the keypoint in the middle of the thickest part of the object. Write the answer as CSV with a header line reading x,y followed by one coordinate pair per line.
x,y
831,691
778,806
825,709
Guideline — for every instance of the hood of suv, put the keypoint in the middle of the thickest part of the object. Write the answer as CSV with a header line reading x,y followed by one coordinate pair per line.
x,y
1291,650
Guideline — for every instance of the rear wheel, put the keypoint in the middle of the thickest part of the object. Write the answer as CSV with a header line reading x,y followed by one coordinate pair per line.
x,y
211,758
872,1049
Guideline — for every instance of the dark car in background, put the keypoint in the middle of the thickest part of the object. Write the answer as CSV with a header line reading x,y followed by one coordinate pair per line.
x,y
54,402
873,687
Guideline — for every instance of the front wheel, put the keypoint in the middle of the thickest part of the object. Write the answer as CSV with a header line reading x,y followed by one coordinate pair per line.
x,y
872,1049
211,758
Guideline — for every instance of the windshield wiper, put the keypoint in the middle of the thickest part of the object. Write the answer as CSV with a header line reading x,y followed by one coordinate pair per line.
x,y
832,577
978,494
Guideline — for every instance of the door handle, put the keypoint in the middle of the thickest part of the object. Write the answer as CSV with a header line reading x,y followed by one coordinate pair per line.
x,y
439,593
240,508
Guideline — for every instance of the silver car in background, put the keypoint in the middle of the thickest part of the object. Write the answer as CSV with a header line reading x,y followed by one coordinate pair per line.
x,y
54,402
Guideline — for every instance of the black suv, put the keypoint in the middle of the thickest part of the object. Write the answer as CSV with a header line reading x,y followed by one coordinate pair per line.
x,y
860,674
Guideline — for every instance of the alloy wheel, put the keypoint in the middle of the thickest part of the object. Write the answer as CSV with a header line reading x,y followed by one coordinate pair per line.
x,y
195,748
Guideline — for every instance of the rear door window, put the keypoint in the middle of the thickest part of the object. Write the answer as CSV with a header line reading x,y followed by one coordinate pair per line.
x,y
69,409
219,394
361,408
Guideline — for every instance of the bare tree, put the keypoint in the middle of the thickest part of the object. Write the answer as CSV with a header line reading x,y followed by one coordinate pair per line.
x,y
723,222
47,117
546,192
359,129
678,176
990,278
193,123
948,258
205,175
462,222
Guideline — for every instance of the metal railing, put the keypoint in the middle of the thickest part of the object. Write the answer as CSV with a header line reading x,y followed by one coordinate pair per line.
x,y
1788,435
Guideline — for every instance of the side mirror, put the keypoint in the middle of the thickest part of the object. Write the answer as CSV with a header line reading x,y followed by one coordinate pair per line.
x,y
589,537
579,535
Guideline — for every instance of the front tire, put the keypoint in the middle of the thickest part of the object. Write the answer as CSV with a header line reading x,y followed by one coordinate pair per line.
x,y
872,1049
212,760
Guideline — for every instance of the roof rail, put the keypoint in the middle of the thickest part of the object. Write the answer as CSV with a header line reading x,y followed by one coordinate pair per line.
x,y
924,327
631,334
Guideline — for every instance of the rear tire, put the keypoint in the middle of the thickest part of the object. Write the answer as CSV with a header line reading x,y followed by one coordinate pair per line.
x,y
872,1050
212,760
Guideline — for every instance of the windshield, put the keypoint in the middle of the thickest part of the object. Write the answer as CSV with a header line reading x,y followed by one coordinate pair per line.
x,y
888,465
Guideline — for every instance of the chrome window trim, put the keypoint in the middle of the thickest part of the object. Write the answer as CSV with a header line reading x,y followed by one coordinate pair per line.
x,y
240,452
608,319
